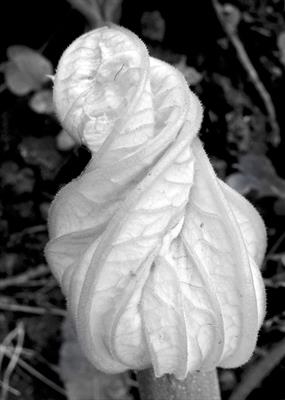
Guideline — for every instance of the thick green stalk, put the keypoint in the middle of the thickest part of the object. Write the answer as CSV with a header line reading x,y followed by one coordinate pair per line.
x,y
199,386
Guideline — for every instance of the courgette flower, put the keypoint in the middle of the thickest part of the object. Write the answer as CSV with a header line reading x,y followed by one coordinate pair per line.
x,y
158,258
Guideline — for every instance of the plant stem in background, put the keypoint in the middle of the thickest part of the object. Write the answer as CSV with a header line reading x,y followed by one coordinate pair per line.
x,y
199,386
230,28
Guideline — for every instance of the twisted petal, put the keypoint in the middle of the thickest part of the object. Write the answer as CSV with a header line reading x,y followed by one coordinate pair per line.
x,y
158,259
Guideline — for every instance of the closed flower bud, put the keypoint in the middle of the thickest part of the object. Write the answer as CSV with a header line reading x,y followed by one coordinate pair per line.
x,y
158,258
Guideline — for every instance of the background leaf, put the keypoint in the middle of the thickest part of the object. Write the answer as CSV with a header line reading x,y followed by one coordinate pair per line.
x,y
257,173
26,70
42,102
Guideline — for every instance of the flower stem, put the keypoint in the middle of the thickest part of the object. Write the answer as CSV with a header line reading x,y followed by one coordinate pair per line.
x,y
199,386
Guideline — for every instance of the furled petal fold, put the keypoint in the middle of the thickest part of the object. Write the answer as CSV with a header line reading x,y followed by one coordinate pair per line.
x,y
158,259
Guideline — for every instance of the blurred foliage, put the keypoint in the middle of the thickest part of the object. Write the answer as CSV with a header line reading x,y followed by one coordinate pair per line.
x,y
26,70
